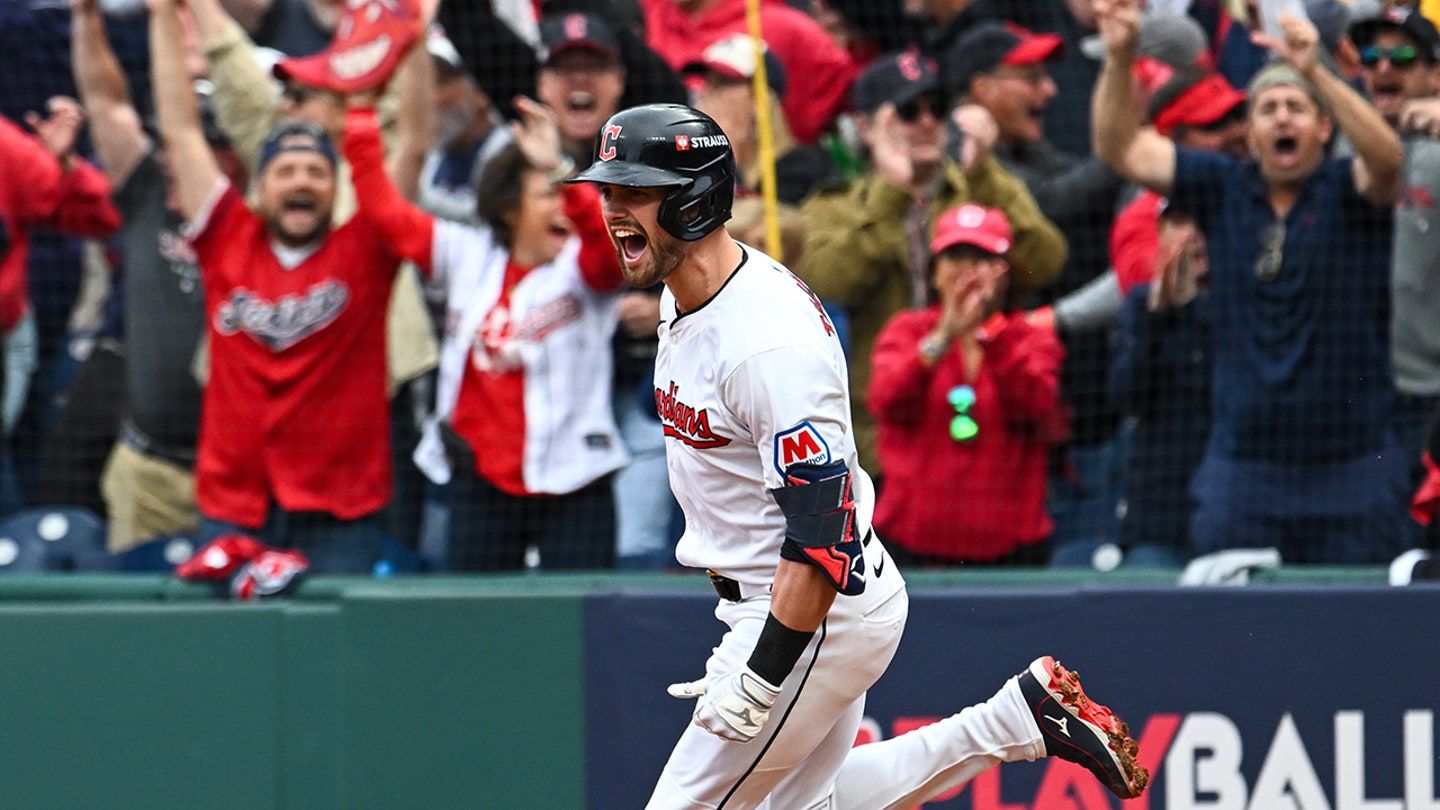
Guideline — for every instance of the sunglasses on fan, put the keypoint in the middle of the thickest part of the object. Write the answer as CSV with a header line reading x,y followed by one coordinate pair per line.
x,y
910,111
1400,56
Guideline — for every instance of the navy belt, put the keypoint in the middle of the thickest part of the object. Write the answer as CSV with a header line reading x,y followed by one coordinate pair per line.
x,y
133,436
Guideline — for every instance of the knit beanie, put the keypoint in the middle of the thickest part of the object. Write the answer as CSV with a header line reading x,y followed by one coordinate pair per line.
x,y
1282,74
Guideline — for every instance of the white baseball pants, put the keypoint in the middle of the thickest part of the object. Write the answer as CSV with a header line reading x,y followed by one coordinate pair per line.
x,y
804,759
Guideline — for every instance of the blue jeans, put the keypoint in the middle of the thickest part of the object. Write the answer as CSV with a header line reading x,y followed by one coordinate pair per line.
x,y
1335,513
332,545
22,358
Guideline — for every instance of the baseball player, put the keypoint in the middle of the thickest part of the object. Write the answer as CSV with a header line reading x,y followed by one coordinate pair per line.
x,y
750,383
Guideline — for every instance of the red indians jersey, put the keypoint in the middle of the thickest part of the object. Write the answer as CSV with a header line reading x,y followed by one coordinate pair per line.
x,y
748,384
296,408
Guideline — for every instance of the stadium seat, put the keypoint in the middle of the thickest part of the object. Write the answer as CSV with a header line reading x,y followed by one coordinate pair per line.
x,y
20,553
54,538
160,554
397,558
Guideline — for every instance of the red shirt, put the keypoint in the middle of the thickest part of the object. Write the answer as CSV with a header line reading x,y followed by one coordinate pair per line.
x,y
296,408
490,413
34,191
975,500
818,73
1135,241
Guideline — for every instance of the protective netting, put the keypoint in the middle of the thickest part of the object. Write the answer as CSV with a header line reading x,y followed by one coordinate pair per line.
x,y
1204,321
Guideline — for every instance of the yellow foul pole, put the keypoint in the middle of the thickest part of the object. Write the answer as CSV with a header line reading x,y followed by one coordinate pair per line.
x,y
764,132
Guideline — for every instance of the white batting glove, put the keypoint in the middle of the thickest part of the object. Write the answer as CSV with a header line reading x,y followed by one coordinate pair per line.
x,y
737,707
688,690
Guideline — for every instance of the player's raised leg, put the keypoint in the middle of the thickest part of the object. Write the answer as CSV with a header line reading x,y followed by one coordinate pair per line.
x,y
1080,730
1040,712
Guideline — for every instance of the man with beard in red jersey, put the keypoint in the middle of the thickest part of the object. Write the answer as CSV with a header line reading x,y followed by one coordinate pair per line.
x,y
293,447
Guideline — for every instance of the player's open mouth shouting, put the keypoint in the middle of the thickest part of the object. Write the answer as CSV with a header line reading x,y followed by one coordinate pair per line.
x,y
631,241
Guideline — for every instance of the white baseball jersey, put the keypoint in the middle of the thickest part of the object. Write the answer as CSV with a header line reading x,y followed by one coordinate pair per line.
x,y
748,384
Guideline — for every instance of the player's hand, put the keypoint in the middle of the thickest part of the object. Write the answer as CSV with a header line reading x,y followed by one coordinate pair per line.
x,y
737,706
689,690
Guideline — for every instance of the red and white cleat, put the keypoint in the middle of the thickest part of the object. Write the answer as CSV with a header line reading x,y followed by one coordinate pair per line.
x,y
1080,730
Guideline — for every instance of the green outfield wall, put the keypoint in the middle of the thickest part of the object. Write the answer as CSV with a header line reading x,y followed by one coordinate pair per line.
x,y
138,691
126,693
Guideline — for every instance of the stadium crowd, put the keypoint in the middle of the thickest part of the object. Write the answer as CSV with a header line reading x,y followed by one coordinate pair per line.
x,y
1155,278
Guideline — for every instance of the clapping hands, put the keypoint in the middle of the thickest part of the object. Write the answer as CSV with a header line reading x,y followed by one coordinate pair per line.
x,y
1180,265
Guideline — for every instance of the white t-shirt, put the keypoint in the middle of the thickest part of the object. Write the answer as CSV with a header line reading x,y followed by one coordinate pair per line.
x,y
748,384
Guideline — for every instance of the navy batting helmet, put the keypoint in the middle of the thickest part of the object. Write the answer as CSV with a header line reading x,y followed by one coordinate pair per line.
x,y
674,147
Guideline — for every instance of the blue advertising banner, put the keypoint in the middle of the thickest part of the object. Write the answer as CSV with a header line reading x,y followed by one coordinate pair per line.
x,y
1263,698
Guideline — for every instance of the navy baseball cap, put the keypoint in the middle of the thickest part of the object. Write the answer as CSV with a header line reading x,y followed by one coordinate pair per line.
x,y
897,78
1403,20
296,136
564,32
989,45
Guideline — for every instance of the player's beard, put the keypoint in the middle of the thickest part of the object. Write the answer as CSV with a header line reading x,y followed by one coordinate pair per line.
x,y
664,254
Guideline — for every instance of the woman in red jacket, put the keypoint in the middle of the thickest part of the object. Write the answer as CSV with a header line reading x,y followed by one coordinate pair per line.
x,y
966,396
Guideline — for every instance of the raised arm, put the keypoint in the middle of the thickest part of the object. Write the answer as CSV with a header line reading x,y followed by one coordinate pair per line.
x,y
248,13
407,230
1378,155
415,121
1140,154
120,141
193,168
247,105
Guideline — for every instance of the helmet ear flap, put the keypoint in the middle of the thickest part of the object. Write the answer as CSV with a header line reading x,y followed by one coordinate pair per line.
x,y
694,211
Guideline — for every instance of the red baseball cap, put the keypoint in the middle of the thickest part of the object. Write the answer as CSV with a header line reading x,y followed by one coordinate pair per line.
x,y
1032,47
1187,101
970,224
371,39
734,58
